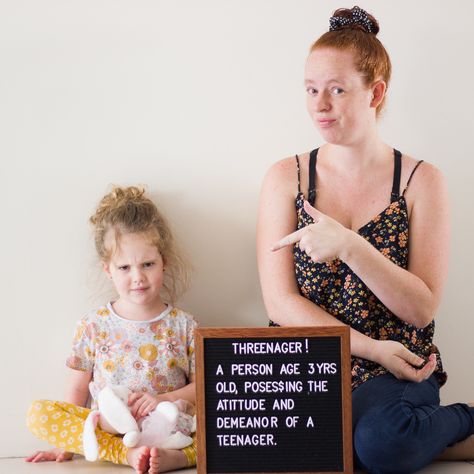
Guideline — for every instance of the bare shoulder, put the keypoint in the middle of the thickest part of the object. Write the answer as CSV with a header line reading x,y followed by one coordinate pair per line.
x,y
285,167
425,187
283,175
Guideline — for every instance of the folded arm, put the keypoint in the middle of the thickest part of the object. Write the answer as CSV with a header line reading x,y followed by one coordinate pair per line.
x,y
283,301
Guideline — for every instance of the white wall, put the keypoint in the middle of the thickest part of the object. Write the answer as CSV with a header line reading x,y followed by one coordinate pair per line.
x,y
196,100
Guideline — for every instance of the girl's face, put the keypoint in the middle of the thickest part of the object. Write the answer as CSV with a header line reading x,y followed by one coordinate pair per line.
x,y
136,270
338,101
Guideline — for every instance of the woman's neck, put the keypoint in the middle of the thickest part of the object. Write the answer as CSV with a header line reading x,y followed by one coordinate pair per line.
x,y
357,158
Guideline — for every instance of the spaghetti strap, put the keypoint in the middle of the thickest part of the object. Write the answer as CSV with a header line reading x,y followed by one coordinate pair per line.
x,y
397,171
411,176
298,171
313,157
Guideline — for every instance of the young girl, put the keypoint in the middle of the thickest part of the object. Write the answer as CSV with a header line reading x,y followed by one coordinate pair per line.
x,y
136,340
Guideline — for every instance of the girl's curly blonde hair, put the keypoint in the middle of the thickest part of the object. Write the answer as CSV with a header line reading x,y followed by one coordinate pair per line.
x,y
126,210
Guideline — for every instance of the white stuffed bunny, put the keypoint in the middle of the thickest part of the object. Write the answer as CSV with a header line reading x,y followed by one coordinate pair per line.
x,y
164,427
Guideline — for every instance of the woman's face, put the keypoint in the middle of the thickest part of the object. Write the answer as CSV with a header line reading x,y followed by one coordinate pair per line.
x,y
338,101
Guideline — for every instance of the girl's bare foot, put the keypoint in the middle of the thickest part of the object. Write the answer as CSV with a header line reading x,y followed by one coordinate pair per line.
x,y
139,459
164,460
462,451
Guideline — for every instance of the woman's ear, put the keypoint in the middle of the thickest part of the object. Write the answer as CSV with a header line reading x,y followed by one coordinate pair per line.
x,y
378,93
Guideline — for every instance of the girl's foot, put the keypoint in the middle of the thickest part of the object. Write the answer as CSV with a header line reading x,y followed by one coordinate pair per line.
x,y
139,459
462,451
164,460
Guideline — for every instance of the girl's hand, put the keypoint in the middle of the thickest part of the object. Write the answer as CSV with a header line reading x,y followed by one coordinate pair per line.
x,y
323,241
58,455
142,403
401,362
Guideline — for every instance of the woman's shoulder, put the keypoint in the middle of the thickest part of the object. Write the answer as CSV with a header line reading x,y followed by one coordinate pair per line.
x,y
420,177
288,173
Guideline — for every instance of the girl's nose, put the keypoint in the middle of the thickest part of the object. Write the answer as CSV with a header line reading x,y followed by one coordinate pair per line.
x,y
138,276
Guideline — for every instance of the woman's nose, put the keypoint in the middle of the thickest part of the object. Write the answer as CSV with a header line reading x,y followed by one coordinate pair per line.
x,y
322,102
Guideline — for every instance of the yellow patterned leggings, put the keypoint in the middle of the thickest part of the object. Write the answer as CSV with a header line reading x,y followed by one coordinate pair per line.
x,y
61,424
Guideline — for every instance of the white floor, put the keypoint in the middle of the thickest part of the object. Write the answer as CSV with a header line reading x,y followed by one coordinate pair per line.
x,y
79,466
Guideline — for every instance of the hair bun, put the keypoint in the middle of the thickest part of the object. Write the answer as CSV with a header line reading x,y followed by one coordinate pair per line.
x,y
116,198
353,18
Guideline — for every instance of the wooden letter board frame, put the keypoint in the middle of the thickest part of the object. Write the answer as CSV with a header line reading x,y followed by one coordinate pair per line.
x,y
210,334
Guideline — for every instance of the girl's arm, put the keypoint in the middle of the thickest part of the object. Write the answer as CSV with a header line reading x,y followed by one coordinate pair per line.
x,y
77,389
188,393
141,403
283,301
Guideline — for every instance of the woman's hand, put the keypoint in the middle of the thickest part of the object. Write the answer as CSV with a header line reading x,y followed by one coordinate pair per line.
x,y
323,241
142,403
401,362
58,455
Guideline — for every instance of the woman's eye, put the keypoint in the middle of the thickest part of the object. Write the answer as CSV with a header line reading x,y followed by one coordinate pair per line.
x,y
337,91
148,264
311,91
123,268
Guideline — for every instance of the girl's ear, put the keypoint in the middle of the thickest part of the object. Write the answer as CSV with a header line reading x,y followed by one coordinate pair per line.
x,y
106,268
378,93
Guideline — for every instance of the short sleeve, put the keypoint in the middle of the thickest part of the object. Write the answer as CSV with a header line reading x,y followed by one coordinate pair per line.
x,y
190,346
83,348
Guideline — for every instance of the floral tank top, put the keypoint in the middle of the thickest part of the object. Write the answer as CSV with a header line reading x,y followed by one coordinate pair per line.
x,y
338,290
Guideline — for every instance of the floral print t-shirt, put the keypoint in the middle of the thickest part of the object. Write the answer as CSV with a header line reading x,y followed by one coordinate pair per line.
x,y
153,356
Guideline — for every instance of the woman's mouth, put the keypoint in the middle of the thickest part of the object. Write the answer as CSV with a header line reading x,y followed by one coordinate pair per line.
x,y
326,123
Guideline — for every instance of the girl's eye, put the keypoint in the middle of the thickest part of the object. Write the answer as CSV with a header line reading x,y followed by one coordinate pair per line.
x,y
124,268
337,91
311,91
148,264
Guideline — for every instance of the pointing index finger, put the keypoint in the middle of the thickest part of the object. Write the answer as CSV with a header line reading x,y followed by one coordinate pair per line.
x,y
289,239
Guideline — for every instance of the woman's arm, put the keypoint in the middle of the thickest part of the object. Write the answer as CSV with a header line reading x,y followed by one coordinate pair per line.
x,y
284,304
414,294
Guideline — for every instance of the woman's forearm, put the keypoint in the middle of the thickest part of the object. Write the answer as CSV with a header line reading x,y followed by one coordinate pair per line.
x,y
402,292
296,310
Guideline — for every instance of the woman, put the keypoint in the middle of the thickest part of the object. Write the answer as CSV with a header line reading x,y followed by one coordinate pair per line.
x,y
353,268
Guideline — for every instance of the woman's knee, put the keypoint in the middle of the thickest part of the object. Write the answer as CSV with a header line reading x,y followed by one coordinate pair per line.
x,y
384,445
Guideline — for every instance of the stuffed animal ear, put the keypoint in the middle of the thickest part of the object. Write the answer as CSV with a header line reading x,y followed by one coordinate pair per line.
x,y
89,439
115,412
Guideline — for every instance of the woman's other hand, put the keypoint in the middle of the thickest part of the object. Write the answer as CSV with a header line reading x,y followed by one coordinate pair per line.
x,y
401,362
58,455
323,241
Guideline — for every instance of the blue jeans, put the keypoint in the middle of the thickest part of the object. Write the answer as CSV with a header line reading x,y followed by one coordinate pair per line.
x,y
399,426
